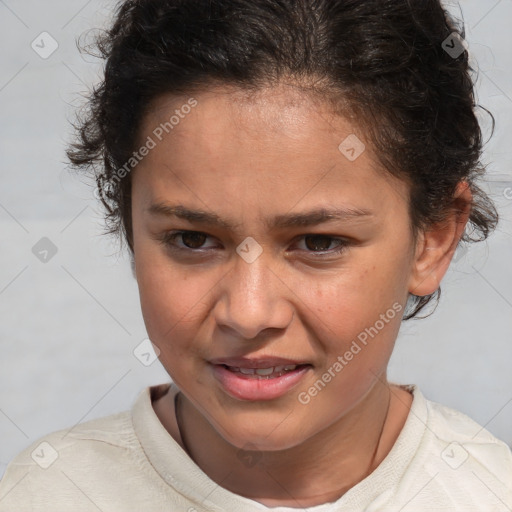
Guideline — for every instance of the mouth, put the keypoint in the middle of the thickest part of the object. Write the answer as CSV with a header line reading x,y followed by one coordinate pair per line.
x,y
257,381
271,372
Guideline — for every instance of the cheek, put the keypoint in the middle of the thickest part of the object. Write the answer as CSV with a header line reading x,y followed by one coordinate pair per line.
x,y
356,325
358,314
171,300
170,304
354,297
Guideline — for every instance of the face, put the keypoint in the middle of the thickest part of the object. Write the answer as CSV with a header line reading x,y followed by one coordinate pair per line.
x,y
259,276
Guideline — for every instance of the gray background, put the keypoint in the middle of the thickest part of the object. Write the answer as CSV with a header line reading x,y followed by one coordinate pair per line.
x,y
68,327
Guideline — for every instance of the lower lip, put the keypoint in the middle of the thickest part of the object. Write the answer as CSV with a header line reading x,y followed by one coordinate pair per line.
x,y
244,387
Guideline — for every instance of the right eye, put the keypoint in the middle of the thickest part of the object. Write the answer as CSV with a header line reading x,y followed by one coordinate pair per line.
x,y
191,240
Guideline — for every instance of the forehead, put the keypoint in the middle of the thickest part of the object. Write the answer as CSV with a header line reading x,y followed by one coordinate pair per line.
x,y
285,110
277,144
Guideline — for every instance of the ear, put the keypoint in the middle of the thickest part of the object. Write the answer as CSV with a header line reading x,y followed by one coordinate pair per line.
x,y
435,246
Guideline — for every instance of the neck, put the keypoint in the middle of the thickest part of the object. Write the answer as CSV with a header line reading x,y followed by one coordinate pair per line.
x,y
317,471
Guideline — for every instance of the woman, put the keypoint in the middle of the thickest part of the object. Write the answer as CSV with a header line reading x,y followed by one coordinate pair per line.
x,y
292,179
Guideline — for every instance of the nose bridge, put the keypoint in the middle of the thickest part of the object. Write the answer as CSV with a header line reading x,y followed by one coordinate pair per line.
x,y
253,298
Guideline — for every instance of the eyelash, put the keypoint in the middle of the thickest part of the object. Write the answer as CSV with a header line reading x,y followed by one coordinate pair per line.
x,y
167,239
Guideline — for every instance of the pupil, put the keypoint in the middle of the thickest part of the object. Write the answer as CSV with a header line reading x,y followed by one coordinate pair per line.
x,y
196,237
325,245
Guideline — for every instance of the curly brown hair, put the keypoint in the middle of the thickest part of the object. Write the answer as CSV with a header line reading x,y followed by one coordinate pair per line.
x,y
387,60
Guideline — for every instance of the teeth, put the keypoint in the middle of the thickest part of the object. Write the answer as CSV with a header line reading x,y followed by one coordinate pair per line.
x,y
264,371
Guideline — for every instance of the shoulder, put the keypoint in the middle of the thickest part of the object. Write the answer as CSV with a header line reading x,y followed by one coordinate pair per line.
x,y
460,461
52,469
110,432
449,426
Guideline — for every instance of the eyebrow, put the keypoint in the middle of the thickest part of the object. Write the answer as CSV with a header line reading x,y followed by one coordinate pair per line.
x,y
304,219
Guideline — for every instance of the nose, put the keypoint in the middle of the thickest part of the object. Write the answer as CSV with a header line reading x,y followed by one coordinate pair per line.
x,y
253,300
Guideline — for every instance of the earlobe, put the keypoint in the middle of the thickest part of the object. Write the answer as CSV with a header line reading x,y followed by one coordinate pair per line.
x,y
436,246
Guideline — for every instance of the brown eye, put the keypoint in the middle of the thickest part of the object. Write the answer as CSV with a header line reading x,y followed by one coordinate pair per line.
x,y
319,242
193,243
190,241
321,246
193,239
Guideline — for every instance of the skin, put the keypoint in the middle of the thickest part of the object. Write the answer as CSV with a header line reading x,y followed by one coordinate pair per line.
x,y
247,159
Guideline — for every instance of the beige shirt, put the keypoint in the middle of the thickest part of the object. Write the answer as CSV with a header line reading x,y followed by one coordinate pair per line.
x,y
441,461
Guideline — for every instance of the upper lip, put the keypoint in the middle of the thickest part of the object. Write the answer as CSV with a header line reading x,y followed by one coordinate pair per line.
x,y
256,362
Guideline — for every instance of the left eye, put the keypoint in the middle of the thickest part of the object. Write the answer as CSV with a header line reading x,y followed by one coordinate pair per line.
x,y
193,242
322,242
